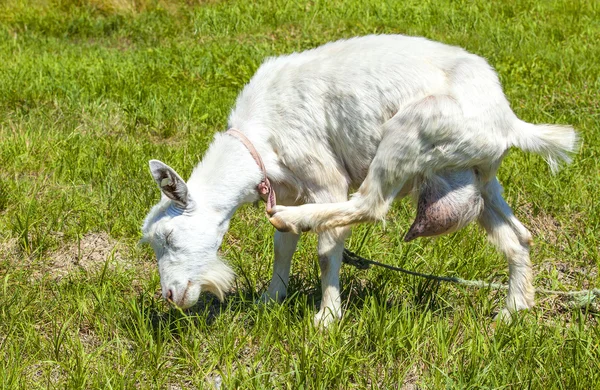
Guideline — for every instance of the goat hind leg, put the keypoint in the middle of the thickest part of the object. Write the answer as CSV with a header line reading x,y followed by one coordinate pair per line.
x,y
507,233
320,217
386,177
364,206
407,147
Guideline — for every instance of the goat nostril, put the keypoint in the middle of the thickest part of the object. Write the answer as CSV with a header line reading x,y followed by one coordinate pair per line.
x,y
170,295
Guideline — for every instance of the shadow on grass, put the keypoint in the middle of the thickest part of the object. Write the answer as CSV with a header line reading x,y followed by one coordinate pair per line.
x,y
150,313
419,294
390,292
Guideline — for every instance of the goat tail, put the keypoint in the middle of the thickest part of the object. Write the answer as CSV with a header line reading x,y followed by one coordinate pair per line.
x,y
555,143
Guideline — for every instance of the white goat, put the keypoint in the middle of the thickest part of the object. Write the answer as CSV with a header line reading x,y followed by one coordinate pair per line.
x,y
383,114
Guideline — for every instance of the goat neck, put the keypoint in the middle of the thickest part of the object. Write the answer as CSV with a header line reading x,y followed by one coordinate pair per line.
x,y
226,177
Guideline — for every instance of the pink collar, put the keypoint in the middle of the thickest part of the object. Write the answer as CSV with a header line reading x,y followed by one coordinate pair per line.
x,y
264,188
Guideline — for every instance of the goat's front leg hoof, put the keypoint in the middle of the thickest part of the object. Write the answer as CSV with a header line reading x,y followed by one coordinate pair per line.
x,y
267,298
326,317
288,219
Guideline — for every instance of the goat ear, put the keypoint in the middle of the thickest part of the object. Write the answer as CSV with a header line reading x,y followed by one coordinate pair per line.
x,y
169,182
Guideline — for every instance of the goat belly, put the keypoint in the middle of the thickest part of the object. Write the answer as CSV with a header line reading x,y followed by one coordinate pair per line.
x,y
446,203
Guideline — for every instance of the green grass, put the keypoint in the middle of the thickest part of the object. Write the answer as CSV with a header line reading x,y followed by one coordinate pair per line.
x,y
91,90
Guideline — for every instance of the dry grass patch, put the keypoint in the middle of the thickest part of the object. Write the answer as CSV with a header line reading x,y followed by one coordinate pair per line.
x,y
9,248
89,253
543,226
104,118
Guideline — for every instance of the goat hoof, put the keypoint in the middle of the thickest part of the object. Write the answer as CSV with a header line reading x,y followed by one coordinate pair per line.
x,y
286,219
505,316
279,224
508,315
325,318
268,299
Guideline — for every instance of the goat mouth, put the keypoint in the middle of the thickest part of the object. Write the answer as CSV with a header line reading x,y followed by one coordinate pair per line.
x,y
184,296
180,302
169,295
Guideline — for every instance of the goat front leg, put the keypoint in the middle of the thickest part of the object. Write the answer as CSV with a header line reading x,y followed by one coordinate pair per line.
x,y
285,246
330,249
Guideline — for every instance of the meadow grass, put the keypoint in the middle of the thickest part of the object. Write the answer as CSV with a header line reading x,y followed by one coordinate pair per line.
x,y
90,90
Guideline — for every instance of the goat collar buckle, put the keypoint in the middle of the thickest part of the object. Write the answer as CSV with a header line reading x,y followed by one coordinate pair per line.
x,y
265,189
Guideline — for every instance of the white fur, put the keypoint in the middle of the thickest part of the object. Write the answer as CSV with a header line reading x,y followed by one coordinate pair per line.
x,y
376,113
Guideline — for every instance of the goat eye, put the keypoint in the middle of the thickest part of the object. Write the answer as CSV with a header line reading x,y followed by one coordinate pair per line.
x,y
169,239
